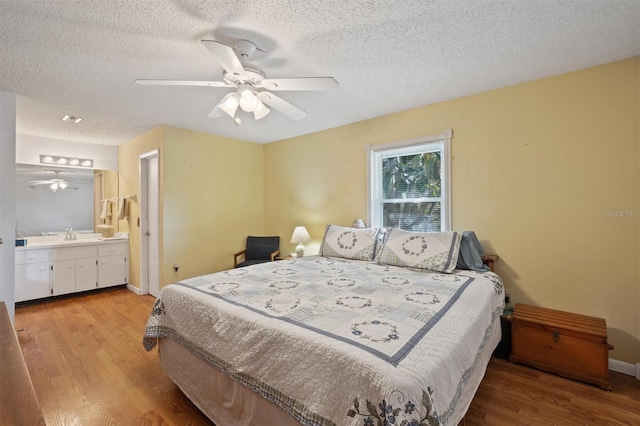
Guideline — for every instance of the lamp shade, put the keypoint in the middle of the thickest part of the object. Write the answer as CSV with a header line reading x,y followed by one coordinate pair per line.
x,y
300,235
358,223
229,104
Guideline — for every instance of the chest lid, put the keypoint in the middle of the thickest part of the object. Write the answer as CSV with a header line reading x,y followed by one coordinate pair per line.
x,y
563,320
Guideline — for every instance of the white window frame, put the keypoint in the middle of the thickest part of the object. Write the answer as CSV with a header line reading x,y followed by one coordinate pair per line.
x,y
432,143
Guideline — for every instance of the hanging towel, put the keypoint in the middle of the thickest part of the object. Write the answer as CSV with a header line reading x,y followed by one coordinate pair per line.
x,y
122,209
105,209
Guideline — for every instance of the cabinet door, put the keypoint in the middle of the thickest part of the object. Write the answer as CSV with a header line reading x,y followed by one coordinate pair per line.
x,y
87,274
32,281
112,270
63,277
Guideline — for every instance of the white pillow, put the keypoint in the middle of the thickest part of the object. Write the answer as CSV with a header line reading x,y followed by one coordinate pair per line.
x,y
435,251
349,243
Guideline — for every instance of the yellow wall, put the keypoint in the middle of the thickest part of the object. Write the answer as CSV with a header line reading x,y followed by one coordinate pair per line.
x,y
535,167
213,199
110,184
129,184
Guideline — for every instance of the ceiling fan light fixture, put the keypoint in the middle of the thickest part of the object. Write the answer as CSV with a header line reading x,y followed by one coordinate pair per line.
x,y
230,104
261,111
248,100
62,185
54,186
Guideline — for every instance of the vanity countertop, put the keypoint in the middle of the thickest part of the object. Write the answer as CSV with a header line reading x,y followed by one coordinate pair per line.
x,y
41,242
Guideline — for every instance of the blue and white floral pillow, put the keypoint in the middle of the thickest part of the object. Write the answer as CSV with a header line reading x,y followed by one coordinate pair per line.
x,y
435,251
349,243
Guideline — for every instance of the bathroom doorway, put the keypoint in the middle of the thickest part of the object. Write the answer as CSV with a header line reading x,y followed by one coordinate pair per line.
x,y
149,224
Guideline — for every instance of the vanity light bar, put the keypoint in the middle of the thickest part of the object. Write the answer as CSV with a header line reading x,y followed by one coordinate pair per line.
x,y
65,161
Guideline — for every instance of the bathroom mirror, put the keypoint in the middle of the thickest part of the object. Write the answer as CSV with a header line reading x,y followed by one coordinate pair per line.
x,y
49,199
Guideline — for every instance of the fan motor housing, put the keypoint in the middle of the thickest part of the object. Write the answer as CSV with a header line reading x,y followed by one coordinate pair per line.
x,y
254,72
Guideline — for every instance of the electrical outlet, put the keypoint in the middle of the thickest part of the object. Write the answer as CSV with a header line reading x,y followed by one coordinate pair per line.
x,y
507,297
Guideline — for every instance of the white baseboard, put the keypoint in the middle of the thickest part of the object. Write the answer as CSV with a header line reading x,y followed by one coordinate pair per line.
x,y
136,290
625,368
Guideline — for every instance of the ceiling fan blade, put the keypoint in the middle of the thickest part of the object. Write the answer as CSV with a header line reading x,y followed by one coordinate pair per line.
x,y
281,105
40,182
227,58
182,83
304,83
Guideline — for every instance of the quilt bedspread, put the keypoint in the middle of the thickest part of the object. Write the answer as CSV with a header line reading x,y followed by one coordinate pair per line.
x,y
339,342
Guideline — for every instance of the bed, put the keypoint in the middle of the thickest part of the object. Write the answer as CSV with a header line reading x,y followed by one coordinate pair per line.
x,y
332,340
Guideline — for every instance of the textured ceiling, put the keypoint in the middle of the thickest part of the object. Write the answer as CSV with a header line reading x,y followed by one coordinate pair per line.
x,y
82,57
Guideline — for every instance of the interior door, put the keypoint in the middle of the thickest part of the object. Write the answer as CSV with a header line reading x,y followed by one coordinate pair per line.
x,y
153,228
150,223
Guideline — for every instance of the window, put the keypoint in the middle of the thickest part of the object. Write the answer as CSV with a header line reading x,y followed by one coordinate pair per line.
x,y
410,184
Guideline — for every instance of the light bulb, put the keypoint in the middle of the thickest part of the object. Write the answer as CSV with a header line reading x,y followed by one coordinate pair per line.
x,y
248,100
237,121
74,162
54,186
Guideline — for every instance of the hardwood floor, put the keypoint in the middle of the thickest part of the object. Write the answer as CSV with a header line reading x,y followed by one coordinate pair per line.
x,y
88,367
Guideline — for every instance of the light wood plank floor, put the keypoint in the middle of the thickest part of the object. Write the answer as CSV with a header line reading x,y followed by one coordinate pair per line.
x,y
88,367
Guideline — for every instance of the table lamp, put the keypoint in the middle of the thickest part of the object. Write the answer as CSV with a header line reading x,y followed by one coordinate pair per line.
x,y
300,236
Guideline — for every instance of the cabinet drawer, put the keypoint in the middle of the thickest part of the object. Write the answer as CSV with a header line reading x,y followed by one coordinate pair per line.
x,y
31,256
69,253
112,249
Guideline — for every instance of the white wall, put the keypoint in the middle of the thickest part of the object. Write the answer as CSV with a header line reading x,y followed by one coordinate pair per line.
x,y
7,194
29,148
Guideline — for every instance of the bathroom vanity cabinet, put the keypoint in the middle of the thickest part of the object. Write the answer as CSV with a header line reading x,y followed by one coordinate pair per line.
x,y
72,267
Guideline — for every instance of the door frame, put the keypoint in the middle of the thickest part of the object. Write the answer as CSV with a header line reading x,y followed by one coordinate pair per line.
x,y
144,210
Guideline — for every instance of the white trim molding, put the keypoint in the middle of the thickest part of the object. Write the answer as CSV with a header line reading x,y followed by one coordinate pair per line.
x,y
431,143
625,368
134,289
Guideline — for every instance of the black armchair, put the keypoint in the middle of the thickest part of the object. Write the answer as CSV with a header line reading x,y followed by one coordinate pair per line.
x,y
258,250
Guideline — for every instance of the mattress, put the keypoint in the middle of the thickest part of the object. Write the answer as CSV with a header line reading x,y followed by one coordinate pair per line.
x,y
331,341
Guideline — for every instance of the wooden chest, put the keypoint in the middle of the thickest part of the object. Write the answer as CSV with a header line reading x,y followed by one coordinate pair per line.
x,y
571,345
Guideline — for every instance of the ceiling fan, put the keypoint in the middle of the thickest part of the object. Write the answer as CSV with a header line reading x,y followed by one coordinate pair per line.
x,y
253,89
54,184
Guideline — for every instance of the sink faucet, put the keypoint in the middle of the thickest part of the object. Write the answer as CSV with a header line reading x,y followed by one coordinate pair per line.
x,y
70,236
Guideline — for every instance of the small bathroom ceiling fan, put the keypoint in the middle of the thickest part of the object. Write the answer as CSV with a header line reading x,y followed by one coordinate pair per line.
x,y
252,89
